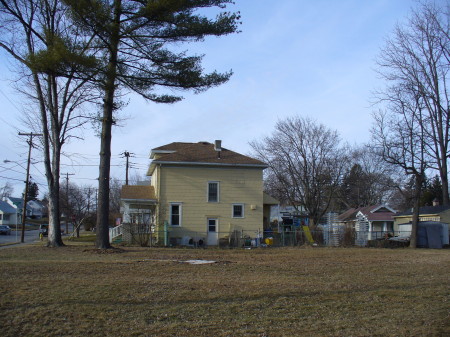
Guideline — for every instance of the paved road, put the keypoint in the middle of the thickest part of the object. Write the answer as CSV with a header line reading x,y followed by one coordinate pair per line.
x,y
30,236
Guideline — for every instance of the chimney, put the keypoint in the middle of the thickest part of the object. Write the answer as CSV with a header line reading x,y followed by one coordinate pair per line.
x,y
218,147
435,202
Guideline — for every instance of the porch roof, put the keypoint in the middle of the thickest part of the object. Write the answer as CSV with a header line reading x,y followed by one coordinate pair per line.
x,y
138,192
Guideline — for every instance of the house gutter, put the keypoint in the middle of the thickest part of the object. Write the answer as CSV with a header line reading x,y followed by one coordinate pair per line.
x,y
208,164
141,200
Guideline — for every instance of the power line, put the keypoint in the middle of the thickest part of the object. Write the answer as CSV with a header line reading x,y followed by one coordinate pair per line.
x,y
21,180
84,165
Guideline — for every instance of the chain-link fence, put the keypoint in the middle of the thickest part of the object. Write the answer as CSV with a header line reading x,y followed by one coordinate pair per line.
x,y
148,235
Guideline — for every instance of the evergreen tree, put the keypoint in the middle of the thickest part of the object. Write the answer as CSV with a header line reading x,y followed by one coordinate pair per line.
x,y
33,191
432,190
132,40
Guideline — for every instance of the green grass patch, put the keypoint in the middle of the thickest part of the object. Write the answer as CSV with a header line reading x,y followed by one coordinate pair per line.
x,y
77,290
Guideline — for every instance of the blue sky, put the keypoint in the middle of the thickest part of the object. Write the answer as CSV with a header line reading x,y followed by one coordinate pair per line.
x,y
293,57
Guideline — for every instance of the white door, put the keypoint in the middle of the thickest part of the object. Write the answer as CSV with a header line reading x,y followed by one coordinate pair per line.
x,y
213,232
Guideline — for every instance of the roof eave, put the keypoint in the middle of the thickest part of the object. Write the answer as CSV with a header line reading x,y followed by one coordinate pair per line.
x,y
153,152
139,200
154,162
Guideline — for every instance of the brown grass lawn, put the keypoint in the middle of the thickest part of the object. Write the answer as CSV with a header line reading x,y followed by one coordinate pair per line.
x,y
76,291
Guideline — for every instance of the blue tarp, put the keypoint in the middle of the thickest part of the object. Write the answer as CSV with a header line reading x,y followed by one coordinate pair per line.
x,y
432,234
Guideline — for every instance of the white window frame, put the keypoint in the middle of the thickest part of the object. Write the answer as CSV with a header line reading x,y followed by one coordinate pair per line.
x,y
243,211
218,191
180,215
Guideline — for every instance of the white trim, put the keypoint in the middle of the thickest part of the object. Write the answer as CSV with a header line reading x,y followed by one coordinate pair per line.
x,y
180,209
218,191
243,211
382,206
153,152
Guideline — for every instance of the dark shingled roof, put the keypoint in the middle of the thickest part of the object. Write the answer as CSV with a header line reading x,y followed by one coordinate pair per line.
x,y
138,192
427,210
202,152
373,213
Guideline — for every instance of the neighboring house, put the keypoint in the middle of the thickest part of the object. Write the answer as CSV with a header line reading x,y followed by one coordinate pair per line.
x,y
8,214
17,203
436,213
282,211
36,209
201,191
372,222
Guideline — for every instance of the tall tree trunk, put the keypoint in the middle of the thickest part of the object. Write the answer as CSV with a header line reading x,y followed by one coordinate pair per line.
x,y
52,173
102,241
416,210
51,163
444,181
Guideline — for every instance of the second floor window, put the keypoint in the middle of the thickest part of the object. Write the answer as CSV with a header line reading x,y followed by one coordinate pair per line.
x,y
213,191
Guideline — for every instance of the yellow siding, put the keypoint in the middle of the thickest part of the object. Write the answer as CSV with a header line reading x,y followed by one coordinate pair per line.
x,y
188,185
442,217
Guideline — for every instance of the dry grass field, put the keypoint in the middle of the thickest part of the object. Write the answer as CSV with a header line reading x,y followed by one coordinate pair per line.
x,y
77,291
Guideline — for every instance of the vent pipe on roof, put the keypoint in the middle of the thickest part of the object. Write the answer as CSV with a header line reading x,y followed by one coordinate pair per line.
x,y
218,147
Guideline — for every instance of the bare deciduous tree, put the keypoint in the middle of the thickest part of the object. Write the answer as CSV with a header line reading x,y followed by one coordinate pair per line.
x,y
79,204
416,59
306,163
368,181
50,56
6,190
399,138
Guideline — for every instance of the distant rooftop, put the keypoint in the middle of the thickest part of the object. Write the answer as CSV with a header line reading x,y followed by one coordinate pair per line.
x,y
427,210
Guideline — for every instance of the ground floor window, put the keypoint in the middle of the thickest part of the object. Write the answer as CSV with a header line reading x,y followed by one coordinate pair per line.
x,y
175,214
140,218
238,210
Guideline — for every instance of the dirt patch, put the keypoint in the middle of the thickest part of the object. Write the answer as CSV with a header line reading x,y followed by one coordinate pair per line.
x,y
113,250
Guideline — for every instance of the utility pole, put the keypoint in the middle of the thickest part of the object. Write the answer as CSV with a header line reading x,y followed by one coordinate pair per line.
x,y
25,197
88,200
67,200
127,155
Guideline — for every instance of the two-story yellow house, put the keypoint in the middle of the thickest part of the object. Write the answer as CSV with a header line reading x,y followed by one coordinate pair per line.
x,y
205,193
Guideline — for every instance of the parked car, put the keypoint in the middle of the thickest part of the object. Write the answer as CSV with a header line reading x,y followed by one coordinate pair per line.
x,y
44,230
4,229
